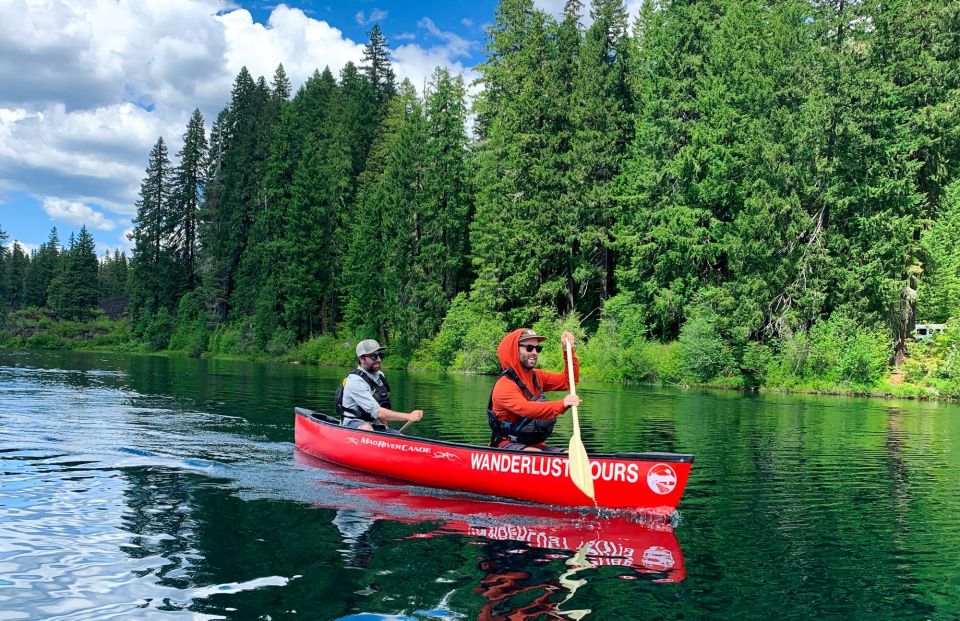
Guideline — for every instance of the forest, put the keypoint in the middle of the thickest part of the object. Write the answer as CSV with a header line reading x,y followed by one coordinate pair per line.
x,y
735,193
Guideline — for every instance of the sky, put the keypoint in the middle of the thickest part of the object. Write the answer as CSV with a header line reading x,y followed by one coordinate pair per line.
x,y
89,85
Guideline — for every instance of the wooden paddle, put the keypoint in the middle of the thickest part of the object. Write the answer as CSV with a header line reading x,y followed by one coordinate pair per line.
x,y
577,454
405,425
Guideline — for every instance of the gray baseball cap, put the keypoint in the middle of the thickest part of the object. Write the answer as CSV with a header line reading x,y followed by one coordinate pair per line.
x,y
368,346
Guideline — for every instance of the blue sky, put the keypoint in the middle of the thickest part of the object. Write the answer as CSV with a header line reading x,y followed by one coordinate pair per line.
x,y
89,85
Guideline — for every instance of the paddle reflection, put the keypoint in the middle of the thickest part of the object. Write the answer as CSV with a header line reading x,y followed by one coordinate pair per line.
x,y
519,545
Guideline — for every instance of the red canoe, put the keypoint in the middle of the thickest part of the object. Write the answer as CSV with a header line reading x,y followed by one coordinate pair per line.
x,y
644,482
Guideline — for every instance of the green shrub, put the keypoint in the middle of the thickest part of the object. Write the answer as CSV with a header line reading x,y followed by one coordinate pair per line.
x,y
157,333
468,338
281,342
704,354
190,335
327,350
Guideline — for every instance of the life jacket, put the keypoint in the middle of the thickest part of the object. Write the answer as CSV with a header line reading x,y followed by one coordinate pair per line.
x,y
527,430
381,394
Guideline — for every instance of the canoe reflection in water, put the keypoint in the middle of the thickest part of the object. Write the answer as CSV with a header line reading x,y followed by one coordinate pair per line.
x,y
519,544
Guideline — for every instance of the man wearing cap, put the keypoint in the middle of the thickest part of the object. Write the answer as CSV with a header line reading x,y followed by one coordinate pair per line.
x,y
520,416
364,398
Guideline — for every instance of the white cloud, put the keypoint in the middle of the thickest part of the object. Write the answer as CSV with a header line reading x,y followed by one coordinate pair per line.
x,y
376,16
454,44
89,85
466,22
77,213
27,248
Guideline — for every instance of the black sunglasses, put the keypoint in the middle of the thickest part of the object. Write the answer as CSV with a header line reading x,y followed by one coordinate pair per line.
x,y
530,348
375,357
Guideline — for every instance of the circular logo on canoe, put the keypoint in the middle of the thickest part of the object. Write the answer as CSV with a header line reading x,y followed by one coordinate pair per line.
x,y
661,478
658,558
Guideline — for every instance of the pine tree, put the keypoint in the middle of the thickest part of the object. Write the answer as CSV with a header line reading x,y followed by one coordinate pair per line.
x,y
377,67
18,266
188,186
280,85
382,231
113,275
441,261
666,247
235,194
43,265
5,285
519,236
601,111
153,277
321,188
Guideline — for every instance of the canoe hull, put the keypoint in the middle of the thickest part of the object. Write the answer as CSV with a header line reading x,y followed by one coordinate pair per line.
x,y
644,482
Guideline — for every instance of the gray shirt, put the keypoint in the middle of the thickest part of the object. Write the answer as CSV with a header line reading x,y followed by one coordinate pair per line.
x,y
358,396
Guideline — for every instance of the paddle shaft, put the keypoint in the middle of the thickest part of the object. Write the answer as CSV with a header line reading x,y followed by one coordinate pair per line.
x,y
405,425
579,462
573,387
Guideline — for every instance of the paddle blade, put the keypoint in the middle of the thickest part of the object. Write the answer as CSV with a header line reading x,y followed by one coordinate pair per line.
x,y
580,467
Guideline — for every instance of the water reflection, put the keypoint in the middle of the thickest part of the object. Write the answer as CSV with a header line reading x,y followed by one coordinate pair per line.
x,y
533,559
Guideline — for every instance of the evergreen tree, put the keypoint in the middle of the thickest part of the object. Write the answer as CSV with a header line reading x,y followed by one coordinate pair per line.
x,y
18,266
74,292
5,286
377,67
601,111
153,279
113,275
382,232
321,190
43,264
236,194
280,85
520,232
441,261
188,185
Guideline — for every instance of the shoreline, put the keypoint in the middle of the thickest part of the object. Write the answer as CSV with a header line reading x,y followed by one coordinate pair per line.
x,y
888,391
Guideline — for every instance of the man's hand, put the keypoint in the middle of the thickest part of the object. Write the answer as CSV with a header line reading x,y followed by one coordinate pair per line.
x,y
567,339
571,400
415,415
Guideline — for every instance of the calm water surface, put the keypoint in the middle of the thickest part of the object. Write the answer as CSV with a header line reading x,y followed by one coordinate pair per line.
x,y
151,488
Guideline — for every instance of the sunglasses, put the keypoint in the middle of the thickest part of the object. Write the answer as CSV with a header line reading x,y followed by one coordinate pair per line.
x,y
375,357
529,348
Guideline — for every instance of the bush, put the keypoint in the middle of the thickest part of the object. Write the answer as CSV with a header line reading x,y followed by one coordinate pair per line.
x,y
704,354
190,334
468,338
156,334
838,352
326,349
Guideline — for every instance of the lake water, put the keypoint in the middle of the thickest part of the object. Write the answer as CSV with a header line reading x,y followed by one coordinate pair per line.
x,y
152,488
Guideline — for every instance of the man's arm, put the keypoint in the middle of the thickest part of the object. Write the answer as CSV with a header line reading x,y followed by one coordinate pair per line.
x,y
560,381
508,398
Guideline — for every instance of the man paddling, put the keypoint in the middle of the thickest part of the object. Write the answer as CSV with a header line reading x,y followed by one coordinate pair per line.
x,y
520,416
363,399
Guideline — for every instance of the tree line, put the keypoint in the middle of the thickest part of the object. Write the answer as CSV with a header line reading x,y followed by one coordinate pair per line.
x,y
67,279
741,170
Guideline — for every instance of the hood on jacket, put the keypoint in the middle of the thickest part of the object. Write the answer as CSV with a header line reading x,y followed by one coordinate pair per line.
x,y
508,353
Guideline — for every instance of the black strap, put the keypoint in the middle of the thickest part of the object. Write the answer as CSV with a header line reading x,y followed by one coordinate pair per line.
x,y
375,388
502,430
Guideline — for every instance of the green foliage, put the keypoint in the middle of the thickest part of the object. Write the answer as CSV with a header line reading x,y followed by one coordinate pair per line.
x,y
705,355
836,353
156,334
73,291
328,350
735,193
468,338
190,333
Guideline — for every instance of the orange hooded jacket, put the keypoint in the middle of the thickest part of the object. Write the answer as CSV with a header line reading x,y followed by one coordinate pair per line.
x,y
509,402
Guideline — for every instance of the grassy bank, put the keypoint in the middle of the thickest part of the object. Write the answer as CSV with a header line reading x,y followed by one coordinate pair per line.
x,y
836,357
